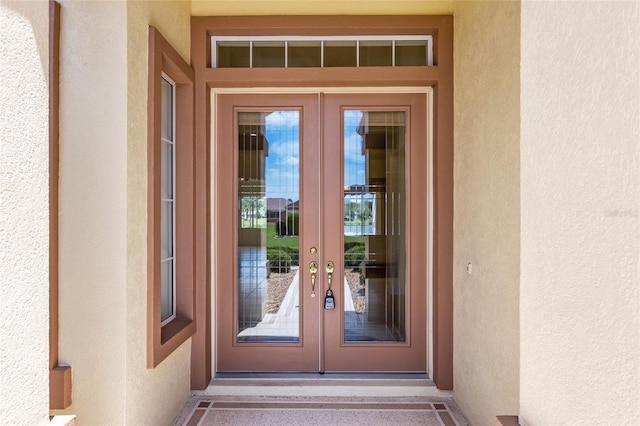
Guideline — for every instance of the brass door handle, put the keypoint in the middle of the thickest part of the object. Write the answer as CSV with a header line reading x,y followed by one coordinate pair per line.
x,y
313,268
330,269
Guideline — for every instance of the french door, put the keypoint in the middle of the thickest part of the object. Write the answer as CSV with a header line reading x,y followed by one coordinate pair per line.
x,y
321,232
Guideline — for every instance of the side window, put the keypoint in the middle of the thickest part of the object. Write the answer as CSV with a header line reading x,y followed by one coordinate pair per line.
x,y
167,204
170,199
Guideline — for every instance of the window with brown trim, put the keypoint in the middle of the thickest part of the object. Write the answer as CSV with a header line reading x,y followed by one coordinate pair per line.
x,y
171,202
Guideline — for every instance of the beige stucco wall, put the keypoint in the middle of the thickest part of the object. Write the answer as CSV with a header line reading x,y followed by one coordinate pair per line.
x,y
153,396
93,206
24,213
321,7
580,168
486,205
103,208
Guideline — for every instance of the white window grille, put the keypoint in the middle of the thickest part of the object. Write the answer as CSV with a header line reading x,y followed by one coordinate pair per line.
x,y
321,52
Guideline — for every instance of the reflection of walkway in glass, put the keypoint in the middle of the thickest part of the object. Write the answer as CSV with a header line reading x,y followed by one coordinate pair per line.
x,y
283,325
252,285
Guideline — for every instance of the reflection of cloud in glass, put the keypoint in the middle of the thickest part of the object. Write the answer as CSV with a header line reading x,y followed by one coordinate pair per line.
x,y
282,164
353,156
353,147
281,147
290,161
352,117
280,119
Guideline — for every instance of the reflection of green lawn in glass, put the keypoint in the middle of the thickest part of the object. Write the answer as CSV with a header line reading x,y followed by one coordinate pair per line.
x,y
254,223
354,239
274,240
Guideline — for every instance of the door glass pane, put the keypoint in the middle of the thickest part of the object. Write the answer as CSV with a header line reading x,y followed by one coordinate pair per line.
x,y
374,226
268,206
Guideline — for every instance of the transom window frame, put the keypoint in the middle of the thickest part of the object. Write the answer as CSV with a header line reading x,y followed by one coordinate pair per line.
x,y
286,39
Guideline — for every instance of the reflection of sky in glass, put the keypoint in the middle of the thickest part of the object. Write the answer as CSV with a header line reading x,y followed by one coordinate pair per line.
x,y
283,162
353,158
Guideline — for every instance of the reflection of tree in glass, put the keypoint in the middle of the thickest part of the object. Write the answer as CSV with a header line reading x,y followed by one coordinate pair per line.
x,y
351,211
253,211
358,212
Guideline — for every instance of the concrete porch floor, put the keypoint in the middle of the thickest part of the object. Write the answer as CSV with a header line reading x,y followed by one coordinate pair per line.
x,y
202,410
332,400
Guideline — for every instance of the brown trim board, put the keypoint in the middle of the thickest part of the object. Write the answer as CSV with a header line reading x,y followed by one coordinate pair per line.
x,y
439,76
162,340
59,376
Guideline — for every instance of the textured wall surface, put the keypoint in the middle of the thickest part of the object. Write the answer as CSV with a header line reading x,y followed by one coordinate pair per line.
x,y
103,213
487,213
167,387
321,7
580,141
92,224
24,213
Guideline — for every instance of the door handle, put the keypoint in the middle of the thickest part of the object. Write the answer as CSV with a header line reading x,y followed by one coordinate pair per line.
x,y
330,269
313,268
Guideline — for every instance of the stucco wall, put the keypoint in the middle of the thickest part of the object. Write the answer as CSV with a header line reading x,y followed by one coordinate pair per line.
x,y
486,205
103,166
580,293
153,396
92,224
487,214
24,213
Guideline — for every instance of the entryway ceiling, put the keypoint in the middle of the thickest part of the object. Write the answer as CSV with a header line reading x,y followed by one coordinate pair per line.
x,y
320,7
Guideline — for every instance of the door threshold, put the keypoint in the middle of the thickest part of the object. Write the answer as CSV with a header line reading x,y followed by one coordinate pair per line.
x,y
328,384
321,376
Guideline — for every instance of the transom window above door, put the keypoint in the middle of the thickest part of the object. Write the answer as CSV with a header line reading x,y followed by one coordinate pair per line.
x,y
323,52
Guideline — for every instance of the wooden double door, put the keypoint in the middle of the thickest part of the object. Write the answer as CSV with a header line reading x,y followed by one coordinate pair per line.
x,y
321,232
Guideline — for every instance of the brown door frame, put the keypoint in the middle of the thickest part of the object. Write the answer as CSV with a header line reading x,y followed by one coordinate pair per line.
x,y
439,76
326,340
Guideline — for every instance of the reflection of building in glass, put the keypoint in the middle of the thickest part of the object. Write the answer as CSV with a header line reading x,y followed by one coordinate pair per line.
x,y
279,208
375,210
253,149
